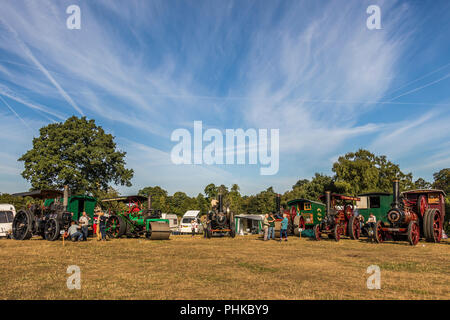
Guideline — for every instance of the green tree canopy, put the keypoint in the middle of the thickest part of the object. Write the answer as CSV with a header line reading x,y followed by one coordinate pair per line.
x,y
363,171
77,153
159,197
442,180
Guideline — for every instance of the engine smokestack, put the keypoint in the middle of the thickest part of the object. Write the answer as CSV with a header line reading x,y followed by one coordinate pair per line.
x,y
66,197
149,202
220,203
328,201
278,203
396,194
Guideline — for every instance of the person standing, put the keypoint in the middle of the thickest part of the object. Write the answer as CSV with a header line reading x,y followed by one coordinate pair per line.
x,y
372,221
84,223
193,226
266,226
284,226
102,224
271,227
205,226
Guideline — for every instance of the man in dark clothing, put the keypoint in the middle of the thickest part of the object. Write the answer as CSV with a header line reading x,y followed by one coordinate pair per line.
x,y
271,227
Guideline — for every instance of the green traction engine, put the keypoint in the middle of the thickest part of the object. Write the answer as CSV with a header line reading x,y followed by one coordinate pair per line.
x,y
135,221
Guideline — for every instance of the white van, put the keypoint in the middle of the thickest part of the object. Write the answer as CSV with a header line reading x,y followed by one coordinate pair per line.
x,y
7,213
185,225
173,221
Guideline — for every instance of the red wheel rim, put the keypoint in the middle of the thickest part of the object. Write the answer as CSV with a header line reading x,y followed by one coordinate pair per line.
x,y
437,230
415,233
423,205
379,234
356,229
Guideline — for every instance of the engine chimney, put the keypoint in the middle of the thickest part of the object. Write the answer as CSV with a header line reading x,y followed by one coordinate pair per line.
x,y
66,197
396,194
328,201
278,203
149,202
220,209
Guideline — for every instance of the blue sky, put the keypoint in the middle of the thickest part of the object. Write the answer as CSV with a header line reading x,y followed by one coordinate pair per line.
x,y
311,69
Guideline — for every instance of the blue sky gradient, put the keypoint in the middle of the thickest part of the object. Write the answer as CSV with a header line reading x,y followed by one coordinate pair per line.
x,y
309,68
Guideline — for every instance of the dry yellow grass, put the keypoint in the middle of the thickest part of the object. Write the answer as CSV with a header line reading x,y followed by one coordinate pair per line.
x,y
223,268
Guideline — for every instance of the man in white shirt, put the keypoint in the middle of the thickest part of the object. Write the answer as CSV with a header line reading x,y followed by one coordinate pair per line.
x,y
84,223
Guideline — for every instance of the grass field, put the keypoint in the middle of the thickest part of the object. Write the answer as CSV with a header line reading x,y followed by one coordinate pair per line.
x,y
223,268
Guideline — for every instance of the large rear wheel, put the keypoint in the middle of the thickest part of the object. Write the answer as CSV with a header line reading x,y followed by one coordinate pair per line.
x,y
354,228
116,226
22,225
52,228
378,232
432,225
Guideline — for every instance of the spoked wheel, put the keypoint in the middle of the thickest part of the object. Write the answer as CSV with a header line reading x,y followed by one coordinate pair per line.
x,y
317,232
378,232
337,233
21,226
413,233
208,231
52,228
233,230
432,225
115,226
354,228
422,205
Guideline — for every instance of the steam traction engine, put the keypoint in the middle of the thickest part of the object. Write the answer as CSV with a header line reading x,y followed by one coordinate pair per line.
x,y
136,221
414,214
218,221
48,222
339,219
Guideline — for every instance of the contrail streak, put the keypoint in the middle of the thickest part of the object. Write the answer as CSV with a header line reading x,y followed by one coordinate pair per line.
x,y
43,69
17,115
421,87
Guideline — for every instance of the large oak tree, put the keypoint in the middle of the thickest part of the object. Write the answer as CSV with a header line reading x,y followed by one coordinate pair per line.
x,y
77,153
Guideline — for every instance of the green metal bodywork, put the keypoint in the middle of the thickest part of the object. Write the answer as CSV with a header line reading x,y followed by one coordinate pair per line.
x,y
137,222
76,205
377,203
311,211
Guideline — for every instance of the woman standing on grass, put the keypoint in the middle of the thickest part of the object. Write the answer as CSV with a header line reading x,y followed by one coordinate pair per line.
x,y
102,224
284,226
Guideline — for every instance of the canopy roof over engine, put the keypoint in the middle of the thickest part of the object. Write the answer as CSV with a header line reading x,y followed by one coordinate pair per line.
x,y
41,194
340,197
301,200
422,191
126,199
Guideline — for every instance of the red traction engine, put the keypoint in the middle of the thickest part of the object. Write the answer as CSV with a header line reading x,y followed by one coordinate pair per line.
x,y
339,219
415,214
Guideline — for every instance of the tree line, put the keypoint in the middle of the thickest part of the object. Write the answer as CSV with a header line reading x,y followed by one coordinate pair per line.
x,y
80,154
